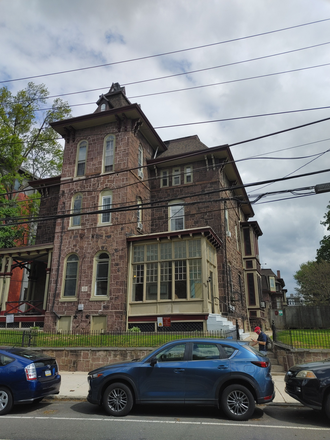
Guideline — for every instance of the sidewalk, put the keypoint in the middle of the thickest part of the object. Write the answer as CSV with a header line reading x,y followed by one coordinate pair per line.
x,y
75,386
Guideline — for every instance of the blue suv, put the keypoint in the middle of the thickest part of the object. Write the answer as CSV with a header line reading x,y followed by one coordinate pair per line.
x,y
230,375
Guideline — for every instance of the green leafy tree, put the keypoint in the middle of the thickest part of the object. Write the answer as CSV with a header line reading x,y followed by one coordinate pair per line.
x,y
323,253
313,279
29,150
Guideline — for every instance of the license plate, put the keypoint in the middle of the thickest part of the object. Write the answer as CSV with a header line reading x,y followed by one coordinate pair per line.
x,y
48,373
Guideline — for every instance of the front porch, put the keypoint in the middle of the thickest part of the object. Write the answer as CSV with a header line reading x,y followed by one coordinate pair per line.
x,y
23,303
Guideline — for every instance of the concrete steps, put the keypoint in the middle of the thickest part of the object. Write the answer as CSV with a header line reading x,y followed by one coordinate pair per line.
x,y
277,369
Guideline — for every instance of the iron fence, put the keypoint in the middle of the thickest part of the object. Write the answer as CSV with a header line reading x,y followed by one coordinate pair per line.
x,y
303,338
37,338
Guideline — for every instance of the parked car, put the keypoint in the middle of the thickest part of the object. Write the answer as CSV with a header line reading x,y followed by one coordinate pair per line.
x,y
227,374
310,384
26,376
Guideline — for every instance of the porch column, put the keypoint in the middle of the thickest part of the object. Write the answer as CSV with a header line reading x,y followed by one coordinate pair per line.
x,y
2,278
6,283
50,254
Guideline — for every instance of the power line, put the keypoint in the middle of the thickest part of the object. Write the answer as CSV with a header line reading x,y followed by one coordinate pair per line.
x,y
167,53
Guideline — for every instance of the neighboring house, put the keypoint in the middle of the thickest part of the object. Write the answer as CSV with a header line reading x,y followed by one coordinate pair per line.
x,y
14,281
295,300
145,233
273,294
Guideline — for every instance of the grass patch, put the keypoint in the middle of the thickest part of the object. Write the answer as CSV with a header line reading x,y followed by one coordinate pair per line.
x,y
305,338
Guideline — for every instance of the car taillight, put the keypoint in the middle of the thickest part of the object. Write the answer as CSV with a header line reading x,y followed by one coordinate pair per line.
x,y
30,372
261,364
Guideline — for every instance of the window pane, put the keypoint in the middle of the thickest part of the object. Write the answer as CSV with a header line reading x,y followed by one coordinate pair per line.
x,y
109,155
106,204
205,352
138,278
151,281
152,252
71,276
180,288
102,275
138,254
166,280
177,217
77,203
194,248
195,277
180,249
172,354
166,251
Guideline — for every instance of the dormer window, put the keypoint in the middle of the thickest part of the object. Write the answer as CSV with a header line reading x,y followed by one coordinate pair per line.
x,y
103,107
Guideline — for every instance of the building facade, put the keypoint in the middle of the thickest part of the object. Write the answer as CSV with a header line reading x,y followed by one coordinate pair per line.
x,y
137,232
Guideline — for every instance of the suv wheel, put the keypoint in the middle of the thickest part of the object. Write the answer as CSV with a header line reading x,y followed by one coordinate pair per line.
x,y
118,399
6,401
237,402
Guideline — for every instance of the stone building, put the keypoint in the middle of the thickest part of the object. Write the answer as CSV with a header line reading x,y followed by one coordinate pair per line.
x,y
138,232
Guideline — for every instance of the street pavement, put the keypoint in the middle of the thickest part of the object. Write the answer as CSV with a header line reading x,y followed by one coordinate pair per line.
x,y
75,386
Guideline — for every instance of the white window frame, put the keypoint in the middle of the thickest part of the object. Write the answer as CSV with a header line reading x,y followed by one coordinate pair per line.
x,y
81,159
76,219
176,176
105,217
109,140
188,174
176,214
164,178
65,277
96,279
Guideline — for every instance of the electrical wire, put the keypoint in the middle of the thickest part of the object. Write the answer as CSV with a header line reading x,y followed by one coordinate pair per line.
x,y
168,53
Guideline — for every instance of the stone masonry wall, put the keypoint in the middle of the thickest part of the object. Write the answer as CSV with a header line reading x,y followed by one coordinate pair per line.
x,y
288,357
87,359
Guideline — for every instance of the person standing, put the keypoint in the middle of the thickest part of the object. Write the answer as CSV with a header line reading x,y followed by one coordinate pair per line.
x,y
262,340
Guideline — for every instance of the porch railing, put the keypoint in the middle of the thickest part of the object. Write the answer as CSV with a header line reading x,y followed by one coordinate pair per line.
x,y
24,307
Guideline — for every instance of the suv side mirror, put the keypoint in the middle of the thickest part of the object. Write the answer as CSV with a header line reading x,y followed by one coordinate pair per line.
x,y
153,362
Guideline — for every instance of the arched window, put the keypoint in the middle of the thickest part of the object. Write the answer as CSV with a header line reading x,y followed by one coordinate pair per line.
x,y
76,209
81,158
176,215
108,153
102,274
71,276
105,204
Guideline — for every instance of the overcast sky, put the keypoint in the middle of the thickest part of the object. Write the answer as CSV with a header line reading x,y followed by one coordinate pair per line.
x,y
252,57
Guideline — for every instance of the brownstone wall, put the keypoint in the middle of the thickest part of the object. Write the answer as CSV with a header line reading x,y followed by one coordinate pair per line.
x,y
288,357
48,207
87,359
91,238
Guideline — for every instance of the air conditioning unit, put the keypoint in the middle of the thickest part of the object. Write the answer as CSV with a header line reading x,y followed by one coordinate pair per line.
x,y
228,233
139,226
140,173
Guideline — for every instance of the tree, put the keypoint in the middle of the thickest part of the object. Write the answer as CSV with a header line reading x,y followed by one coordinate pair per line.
x,y
313,279
29,150
323,253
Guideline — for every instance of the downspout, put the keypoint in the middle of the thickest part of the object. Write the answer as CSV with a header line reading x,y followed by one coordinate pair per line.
x,y
58,267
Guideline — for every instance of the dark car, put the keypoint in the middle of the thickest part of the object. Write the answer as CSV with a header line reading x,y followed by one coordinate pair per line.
x,y
230,375
26,376
310,384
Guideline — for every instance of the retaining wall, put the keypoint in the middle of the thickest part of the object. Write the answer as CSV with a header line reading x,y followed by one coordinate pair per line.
x,y
87,359
287,357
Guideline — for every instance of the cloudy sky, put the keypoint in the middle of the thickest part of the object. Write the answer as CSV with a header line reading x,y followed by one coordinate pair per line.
x,y
227,70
